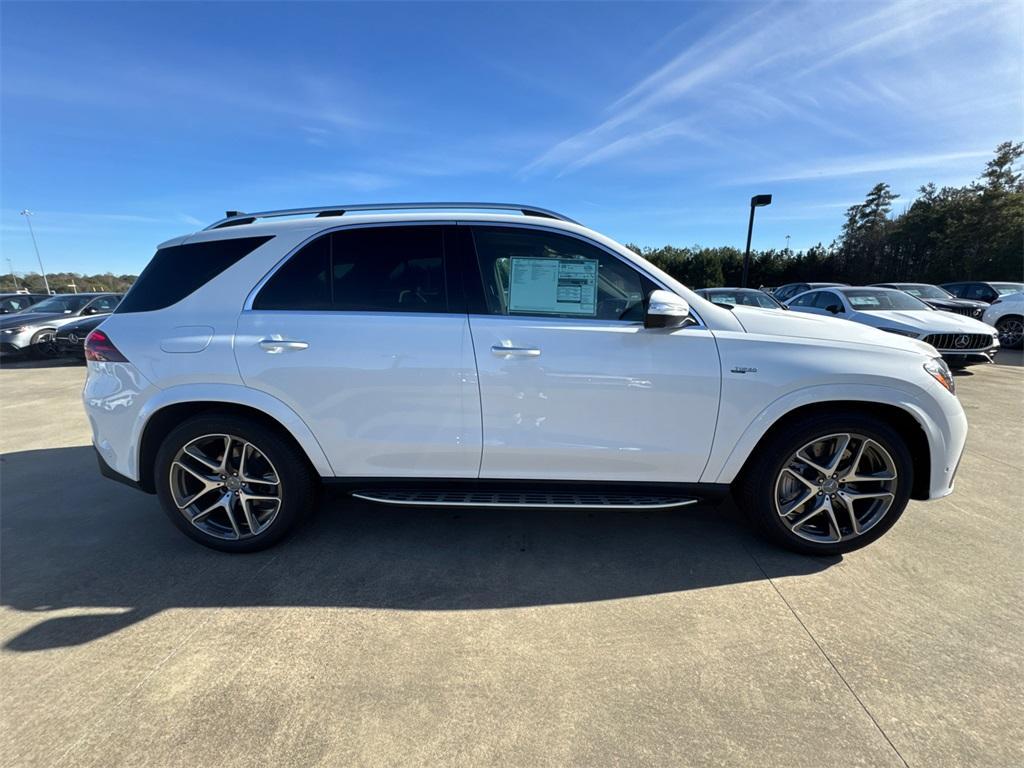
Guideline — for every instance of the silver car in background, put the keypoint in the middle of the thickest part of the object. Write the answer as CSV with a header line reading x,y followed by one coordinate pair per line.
x,y
961,341
32,330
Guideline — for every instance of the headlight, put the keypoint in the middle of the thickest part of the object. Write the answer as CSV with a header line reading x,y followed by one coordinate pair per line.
x,y
19,329
978,312
900,332
938,370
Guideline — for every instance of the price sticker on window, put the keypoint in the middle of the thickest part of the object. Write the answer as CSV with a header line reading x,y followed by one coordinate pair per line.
x,y
553,286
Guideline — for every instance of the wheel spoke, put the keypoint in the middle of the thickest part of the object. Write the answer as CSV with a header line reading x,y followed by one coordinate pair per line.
x,y
826,469
854,522
194,453
832,519
857,496
817,510
797,503
231,515
250,518
248,448
793,473
218,504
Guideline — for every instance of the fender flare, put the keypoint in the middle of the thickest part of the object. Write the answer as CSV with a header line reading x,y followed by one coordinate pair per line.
x,y
234,394
875,394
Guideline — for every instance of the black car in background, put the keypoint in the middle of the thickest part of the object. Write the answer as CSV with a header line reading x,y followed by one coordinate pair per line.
x,y
15,302
786,292
982,291
749,297
939,298
70,339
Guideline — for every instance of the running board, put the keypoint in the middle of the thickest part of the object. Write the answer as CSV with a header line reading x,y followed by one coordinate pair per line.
x,y
528,499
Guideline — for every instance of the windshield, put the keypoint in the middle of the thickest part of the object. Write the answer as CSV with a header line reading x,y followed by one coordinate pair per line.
x,y
745,298
62,304
926,291
1005,289
880,300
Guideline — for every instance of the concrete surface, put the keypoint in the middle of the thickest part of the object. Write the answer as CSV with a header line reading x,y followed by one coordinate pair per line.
x,y
384,637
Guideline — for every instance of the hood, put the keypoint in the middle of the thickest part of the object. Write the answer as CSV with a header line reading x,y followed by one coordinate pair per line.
x,y
807,326
85,324
955,303
30,318
924,321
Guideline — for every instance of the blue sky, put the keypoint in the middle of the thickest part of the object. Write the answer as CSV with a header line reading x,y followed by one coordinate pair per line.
x,y
124,125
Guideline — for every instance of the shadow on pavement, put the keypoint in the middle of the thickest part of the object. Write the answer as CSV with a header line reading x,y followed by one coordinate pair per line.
x,y
41,362
72,540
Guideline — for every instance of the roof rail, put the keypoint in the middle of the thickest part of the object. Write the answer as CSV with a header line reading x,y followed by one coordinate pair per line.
x,y
236,218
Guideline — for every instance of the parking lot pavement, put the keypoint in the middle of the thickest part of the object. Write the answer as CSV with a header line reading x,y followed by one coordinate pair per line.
x,y
383,637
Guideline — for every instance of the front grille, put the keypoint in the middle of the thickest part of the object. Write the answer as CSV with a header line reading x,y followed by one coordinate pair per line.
x,y
959,342
967,311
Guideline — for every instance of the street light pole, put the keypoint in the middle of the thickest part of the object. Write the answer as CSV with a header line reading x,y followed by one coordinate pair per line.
x,y
28,217
14,277
757,201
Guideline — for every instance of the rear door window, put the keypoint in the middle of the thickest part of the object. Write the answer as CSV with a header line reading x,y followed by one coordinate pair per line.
x,y
367,269
179,270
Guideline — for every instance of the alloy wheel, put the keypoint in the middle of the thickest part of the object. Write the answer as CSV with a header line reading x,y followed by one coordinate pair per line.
x,y
1011,332
836,487
225,486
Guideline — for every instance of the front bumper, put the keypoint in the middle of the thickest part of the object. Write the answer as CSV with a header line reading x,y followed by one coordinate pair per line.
x,y
970,357
15,343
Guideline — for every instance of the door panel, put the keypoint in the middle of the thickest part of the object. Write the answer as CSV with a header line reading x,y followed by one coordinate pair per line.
x,y
601,400
386,395
364,335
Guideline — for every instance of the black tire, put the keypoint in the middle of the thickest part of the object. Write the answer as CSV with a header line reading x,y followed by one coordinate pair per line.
x,y
755,489
1010,326
43,344
297,480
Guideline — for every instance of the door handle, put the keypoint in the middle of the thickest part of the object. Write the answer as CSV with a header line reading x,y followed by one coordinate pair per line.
x,y
515,351
277,346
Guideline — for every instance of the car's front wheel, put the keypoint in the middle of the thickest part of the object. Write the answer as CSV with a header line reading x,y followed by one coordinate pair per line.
x,y
44,343
231,483
1011,331
828,485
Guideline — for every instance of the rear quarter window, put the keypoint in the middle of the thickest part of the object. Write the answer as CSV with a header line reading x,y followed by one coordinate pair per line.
x,y
179,270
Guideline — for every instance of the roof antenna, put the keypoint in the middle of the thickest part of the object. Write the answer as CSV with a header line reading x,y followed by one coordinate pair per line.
x,y
230,214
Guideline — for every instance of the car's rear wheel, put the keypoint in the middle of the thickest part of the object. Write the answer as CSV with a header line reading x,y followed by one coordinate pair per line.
x,y
828,485
231,483
1011,331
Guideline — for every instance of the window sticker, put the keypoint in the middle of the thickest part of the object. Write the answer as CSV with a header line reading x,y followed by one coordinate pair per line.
x,y
555,286
864,301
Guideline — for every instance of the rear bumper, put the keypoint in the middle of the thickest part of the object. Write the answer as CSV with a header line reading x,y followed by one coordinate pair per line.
x,y
111,474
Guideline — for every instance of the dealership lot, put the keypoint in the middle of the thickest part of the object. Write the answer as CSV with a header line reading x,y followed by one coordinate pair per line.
x,y
384,637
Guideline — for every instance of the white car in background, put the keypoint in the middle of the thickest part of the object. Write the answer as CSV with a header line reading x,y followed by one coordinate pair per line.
x,y
960,340
1007,315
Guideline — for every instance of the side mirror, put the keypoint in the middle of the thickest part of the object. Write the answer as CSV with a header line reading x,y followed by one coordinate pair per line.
x,y
835,309
666,310
89,311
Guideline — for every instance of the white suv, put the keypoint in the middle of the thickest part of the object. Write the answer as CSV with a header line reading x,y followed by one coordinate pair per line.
x,y
492,355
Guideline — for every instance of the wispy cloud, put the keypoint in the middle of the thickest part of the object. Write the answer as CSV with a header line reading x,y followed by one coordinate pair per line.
x,y
856,166
807,69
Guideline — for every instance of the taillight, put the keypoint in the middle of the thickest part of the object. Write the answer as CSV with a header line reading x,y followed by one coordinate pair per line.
x,y
100,349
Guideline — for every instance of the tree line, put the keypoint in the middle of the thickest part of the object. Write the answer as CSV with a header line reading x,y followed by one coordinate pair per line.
x,y
973,232
62,282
